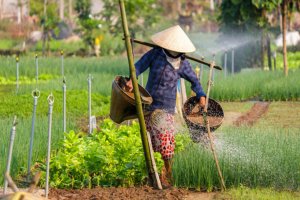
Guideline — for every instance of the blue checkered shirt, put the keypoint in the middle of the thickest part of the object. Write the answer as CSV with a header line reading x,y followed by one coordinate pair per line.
x,y
163,78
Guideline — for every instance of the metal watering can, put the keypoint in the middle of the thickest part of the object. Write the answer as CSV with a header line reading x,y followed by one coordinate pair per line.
x,y
193,116
122,105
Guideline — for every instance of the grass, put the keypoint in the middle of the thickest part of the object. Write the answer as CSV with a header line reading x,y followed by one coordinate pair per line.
x,y
58,45
240,107
21,144
76,71
282,115
263,156
8,44
245,193
254,157
293,60
256,84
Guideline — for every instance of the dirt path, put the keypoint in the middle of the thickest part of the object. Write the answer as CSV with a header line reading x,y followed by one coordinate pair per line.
x,y
135,193
257,110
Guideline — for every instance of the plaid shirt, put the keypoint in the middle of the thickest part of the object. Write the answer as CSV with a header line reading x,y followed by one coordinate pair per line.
x,y
163,78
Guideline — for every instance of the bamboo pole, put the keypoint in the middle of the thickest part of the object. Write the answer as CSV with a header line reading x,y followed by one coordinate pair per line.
x,y
150,164
206,122
187,56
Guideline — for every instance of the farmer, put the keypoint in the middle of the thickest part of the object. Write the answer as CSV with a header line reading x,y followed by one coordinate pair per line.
x,y
167,65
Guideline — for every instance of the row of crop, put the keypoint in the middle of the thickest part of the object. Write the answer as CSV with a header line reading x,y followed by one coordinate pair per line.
x,y
76,71
21,105
253,157
256,84
112,156
293,60
249,84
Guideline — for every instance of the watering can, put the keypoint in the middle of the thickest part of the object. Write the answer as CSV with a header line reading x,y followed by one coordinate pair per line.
x,y
193,116
122,105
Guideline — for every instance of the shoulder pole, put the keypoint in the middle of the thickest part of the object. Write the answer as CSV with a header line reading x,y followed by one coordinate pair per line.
x,y
154,180
208,64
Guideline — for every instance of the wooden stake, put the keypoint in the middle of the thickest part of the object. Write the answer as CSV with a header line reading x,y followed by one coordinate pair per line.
x,y
138,103
206,122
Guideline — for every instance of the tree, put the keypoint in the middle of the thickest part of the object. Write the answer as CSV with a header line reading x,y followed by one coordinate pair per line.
x,y
61,9
284,28
89,26
142,15
47,12
241,22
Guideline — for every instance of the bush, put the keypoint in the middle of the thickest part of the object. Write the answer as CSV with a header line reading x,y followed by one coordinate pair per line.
x,y
112,157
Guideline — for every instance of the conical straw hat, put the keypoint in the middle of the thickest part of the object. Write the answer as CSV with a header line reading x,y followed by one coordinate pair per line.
x,y
174,39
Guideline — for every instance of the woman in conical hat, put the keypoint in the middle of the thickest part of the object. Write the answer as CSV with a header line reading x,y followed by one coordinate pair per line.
x,y
167,65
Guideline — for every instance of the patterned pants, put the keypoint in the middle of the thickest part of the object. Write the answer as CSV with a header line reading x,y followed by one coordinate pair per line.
x,y
160,125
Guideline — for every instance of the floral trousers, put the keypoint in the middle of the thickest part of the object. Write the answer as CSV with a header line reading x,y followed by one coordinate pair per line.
x,y
160,125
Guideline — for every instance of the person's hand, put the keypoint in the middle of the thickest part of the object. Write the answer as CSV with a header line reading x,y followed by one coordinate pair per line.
x,y
202,102
129,85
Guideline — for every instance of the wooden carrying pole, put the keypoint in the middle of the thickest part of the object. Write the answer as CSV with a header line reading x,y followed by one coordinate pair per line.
x,y
150,164
187,56
206,122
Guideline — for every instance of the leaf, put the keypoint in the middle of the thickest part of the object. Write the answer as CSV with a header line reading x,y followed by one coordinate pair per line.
x,y
236,2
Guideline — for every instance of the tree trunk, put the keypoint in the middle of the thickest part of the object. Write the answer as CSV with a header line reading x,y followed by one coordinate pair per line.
x,y
44,28
284,15
262,54
1,8
61,9
280,17
28,7
269,52
212,5
263,41
70,9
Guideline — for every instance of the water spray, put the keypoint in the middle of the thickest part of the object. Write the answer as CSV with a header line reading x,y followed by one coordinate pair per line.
x,y
11,145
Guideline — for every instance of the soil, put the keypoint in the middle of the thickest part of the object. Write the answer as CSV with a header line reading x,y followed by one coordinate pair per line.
x,y
146,192
135,193
257,110
213,121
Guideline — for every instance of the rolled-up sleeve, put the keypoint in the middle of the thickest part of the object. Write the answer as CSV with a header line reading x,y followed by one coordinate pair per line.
x,y
189,74
144,62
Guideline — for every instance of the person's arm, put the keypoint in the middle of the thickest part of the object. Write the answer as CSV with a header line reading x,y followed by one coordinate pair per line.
x,y
144,62
189,75
142,65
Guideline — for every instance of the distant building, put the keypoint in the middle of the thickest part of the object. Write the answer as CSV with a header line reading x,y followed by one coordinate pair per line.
x,y
11,9
97,6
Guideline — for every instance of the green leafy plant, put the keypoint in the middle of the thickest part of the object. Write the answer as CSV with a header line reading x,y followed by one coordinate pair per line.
x,y
111,157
